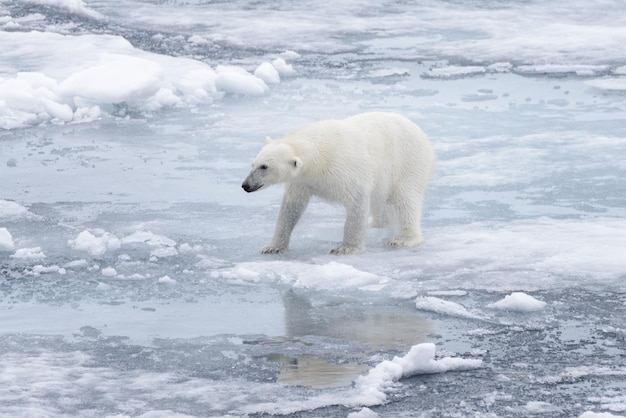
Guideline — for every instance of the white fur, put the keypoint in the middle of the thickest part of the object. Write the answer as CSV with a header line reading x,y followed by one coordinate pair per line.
x,y
374,164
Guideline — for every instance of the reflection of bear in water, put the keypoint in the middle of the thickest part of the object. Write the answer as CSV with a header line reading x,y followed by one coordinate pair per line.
x,y
378,327
375,164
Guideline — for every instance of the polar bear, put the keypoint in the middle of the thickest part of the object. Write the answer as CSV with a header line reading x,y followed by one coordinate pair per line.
x,y
374,164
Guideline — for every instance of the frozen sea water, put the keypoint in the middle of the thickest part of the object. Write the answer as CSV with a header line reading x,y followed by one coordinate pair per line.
x,y
131,283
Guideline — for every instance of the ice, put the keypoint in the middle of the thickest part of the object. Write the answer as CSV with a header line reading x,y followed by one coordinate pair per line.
x,y
96,242
445,307
590,414
328,276
74,6
268,73
108,272
609,83
6,240
419,360
518,302
363,413
105,72
116,79
12,210
29,254
130,278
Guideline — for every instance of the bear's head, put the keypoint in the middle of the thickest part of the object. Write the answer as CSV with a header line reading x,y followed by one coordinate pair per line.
x,y
276,163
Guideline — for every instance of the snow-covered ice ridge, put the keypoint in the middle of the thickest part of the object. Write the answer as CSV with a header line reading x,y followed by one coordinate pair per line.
x,y
106,72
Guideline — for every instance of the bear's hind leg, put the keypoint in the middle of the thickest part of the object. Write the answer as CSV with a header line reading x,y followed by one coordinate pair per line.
x,y
409,232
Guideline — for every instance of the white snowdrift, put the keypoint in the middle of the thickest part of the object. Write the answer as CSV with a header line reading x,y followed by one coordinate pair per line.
x,y
329,276
518,302
6,240
419,360
40,82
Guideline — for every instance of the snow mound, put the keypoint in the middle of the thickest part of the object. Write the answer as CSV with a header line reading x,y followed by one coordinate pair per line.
x,y
330,276
444,307
6,240
73,6
32,254
106,73
96,242
609,83
10,210
518,302
419,360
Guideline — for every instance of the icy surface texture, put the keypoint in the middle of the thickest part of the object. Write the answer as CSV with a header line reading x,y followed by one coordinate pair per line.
x,y
130,279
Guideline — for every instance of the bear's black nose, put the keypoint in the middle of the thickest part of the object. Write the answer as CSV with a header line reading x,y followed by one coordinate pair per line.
x,y
251,187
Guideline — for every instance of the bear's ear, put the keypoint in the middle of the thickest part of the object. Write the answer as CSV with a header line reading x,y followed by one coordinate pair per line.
x,y
296,162
268,140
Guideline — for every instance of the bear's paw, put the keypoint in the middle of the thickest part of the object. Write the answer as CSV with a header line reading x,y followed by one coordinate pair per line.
x,y
273,250
346,250
404,242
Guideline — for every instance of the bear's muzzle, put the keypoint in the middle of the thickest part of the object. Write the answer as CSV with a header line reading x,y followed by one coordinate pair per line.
x,y
250,188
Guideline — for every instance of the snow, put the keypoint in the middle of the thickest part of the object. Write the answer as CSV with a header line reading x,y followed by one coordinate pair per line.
x,y
590,414
444,307
268,73
74,6
329,276
167,280
108,272
29,254
363,413
96,242
518,302
12,210
105,71
6,240
419,360
130,278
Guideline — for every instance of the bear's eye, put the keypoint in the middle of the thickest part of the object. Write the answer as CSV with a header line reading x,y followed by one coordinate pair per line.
x,y
263,166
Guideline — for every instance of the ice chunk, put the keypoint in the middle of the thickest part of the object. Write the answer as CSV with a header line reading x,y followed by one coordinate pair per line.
x,y
419,360
163,252
284,69
455,71
76,264
6,240
268,73
96,243
148,238
330,276
238,81
12,210
363,413
116,79
197,40
609,83
518,301
166,280
74,6
34,254
39,269
109,272
445,307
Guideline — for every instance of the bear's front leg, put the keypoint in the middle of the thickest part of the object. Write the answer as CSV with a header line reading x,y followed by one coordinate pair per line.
x,y
355,227
294,203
